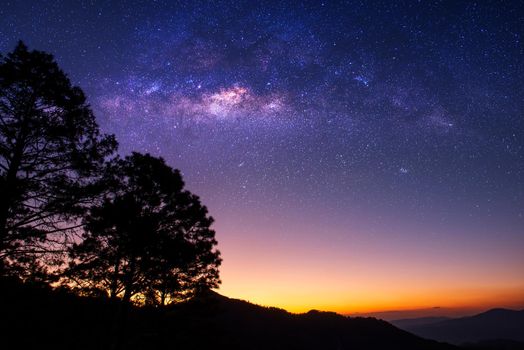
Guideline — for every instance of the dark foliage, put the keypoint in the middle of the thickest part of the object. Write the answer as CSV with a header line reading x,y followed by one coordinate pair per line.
x,y
150,239
51,152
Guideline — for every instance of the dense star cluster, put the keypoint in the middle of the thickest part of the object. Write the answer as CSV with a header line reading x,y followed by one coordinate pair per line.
x,y
385,120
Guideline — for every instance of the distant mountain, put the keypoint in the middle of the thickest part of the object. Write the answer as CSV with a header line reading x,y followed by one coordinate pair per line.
x,y
415,322
392,315
490,325
39,318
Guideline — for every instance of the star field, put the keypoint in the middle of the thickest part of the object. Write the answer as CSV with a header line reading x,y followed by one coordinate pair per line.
x,y
327,126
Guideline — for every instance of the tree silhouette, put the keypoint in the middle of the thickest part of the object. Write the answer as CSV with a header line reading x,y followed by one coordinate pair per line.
x,y
50,153
150,239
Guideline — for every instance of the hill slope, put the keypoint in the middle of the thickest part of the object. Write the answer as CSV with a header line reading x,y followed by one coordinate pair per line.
x,y
60,321
407,323
489,325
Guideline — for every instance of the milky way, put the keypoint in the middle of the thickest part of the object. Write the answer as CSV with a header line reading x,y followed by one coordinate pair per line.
x,y
384,120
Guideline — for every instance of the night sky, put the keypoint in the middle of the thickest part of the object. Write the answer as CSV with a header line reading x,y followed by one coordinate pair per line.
x,y
356,156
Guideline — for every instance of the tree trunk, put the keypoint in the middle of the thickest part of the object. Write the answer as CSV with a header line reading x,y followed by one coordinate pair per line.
x,y
113,288
7,197
163,298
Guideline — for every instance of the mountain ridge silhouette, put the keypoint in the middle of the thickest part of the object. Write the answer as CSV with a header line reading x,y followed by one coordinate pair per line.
x,y
492,324
61,320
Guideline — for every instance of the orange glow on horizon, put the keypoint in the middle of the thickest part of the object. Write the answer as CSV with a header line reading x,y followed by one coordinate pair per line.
x,y
298,274
366,300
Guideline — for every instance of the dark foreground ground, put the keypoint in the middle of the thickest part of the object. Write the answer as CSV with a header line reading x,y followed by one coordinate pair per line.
x,y
38,318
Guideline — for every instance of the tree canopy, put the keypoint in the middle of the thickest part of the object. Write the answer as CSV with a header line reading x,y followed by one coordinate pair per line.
x,y
51,154
139,234
150,239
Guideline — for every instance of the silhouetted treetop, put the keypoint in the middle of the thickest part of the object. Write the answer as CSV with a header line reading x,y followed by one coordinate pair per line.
x,y
149,239
51,153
